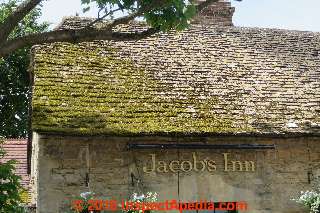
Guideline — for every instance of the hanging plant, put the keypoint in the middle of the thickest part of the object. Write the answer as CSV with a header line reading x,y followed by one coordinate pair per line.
x,y
149,197
81,203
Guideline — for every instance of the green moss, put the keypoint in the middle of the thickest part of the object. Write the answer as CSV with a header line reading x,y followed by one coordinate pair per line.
x,y
82,91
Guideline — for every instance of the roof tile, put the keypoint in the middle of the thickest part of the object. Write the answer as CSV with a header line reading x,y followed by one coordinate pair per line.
x,y
205,80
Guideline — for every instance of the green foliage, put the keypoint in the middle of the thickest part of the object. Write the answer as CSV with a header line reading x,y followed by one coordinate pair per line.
x,y
310,199
149,197
166,14
10,188
14,77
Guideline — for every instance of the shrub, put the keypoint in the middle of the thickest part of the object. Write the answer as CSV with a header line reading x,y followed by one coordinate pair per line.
x,y
310,199
10,187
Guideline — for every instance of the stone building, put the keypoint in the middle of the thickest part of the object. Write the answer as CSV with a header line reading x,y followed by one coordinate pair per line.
x,y
215,112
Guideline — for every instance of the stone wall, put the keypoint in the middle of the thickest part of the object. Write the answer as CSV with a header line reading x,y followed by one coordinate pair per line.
x,y
67,166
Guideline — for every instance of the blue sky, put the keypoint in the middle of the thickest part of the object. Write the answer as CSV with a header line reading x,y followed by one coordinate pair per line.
x,y
284,14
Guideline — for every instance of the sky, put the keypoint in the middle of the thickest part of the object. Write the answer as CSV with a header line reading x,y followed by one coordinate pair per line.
x,y
283,14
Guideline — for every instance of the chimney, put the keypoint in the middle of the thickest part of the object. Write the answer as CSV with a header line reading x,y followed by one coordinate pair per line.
x,y
219,13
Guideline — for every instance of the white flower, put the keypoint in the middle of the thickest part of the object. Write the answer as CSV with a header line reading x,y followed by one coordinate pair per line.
x,y
86,195
147,197
134,196
310,199
141,197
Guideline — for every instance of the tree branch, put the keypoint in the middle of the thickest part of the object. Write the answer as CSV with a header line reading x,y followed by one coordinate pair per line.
x,y
139,12
85,34
128,18
13,19
73,36
103,17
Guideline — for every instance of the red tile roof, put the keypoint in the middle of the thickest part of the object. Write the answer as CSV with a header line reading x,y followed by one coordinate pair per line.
x,y
17,149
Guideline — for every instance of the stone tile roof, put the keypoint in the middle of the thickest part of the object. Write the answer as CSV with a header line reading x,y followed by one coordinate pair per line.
x,y
16,149
205,80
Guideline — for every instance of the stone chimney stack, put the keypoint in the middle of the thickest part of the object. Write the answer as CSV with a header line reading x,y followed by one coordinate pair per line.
x,y
219,13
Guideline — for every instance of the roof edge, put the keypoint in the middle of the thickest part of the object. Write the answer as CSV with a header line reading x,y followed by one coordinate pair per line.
x,y
183,134
79,22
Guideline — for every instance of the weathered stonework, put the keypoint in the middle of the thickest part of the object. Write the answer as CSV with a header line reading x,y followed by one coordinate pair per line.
x,y
219,14
280,174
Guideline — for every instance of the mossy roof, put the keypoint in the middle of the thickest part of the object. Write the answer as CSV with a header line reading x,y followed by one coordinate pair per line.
x,y
205,80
